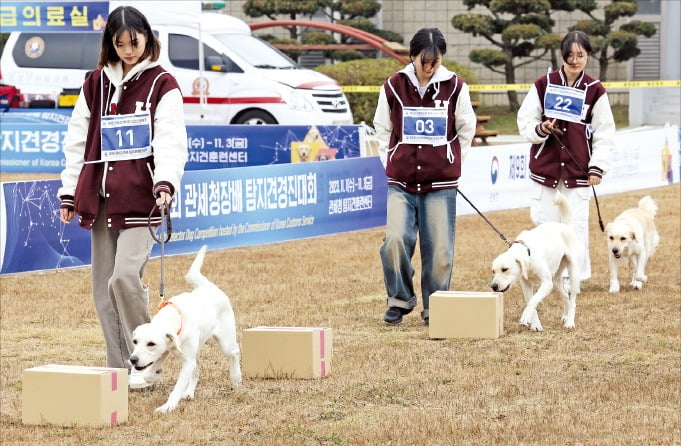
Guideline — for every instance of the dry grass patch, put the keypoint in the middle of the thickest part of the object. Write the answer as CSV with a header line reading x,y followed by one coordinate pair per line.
x,y
612,380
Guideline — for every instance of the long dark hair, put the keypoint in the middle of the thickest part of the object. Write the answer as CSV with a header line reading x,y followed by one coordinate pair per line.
x,y
127,18
431,42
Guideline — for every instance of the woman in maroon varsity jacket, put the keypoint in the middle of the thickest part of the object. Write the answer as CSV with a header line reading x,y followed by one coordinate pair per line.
x,y
126,147
425,124
577,107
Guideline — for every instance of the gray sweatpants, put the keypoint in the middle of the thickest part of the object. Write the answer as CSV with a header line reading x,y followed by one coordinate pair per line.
x,y
121,299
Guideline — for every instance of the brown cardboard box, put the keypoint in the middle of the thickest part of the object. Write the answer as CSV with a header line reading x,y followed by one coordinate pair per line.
x,y
74,395
286,352
466,314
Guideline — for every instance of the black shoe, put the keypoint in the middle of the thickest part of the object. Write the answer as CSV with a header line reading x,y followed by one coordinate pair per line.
x,y
394,315
426,319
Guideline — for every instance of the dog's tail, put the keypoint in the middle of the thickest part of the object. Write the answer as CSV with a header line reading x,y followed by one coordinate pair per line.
x,y
565,211
648,205
194,276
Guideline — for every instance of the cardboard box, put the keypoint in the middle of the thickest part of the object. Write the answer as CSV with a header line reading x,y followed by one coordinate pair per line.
x,y
286,352
74,395
466,314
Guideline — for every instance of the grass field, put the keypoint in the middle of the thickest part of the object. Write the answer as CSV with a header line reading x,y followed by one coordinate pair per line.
x,y
613,380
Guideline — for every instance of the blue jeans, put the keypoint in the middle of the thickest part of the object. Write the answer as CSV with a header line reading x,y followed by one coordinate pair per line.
x,y
431,217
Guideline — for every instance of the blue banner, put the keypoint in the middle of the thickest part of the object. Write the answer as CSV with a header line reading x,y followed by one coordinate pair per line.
x,y
53,16
222,208
33,142
215,146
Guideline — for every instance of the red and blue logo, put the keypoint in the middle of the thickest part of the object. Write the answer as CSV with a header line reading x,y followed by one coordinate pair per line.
x,y
494,169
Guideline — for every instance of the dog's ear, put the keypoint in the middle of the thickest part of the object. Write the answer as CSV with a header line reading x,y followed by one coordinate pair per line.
x,y
633,235
524,262
173,339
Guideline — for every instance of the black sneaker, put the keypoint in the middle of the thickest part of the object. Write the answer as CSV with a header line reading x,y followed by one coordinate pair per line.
x,y
394,315
426,318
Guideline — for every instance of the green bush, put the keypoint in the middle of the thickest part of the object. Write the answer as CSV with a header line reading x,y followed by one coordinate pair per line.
x,y
374,72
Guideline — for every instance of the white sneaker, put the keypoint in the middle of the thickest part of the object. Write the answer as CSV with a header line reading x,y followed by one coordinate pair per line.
x,y
136,380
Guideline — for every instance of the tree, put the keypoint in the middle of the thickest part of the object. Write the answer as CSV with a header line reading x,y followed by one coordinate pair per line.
x,y
516,28
623,39
273,8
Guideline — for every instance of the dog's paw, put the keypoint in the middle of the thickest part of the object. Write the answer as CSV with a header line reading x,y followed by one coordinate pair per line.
x,y
236,381
568,322
614,286
536,326
166,408
636,284
527,317
642,278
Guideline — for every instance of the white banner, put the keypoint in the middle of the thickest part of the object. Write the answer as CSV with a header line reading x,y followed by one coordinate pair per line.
x,y
497,177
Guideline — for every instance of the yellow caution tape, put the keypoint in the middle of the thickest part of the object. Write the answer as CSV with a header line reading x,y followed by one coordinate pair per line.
x,y
509,87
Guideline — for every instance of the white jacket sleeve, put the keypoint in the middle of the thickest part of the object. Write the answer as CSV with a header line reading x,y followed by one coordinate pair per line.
x,y
603,126
170,139
383,126
74,146
529,117
465,121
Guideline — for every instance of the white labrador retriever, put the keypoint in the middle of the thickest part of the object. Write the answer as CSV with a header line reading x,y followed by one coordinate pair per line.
x,y
632,236
539,256
182,325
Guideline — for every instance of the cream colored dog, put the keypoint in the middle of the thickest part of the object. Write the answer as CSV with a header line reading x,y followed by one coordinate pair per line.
x,y
632,236
182,325
539,256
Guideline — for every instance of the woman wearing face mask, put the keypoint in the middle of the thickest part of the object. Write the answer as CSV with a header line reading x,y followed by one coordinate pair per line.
x,y
125,147
569,108
425,124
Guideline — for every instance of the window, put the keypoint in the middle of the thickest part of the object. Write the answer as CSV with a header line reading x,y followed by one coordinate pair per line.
x,y
183,52
647,63
649,7
53,50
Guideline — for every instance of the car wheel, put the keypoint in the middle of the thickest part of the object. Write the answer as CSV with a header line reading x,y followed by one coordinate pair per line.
x,y
255,117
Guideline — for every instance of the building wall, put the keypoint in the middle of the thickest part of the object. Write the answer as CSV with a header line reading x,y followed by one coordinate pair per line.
x,y
407,16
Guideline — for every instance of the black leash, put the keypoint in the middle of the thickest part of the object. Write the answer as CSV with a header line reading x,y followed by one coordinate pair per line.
x,y
166,230
555,132
503,237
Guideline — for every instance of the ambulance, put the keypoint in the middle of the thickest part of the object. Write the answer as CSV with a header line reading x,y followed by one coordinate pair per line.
x,y
226,74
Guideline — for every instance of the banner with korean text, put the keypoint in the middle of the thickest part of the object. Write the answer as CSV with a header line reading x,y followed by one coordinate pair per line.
x,y
32,141
53,16
221,208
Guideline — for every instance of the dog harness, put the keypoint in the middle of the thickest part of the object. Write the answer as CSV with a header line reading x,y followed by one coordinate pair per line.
x,y
166,303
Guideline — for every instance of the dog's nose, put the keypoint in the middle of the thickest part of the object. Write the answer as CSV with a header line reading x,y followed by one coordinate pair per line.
x,y
615,250
134,360
495,287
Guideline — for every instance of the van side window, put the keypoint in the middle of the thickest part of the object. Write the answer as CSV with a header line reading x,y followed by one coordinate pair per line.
x,y
183,52
51,50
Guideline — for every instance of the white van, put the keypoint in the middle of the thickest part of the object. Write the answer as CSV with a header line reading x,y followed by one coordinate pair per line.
x,y
241,79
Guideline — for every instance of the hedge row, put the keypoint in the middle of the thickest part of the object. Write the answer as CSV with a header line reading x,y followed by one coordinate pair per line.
x,y
375,72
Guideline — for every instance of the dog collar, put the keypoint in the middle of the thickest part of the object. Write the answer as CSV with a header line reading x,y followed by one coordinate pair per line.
x,y
520,242
165,304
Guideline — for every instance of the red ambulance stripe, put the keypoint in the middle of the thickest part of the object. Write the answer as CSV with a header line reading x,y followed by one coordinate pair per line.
x,y
315,84
252,100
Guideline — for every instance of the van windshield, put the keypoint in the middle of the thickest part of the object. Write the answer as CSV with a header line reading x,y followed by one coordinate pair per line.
x,y
256,52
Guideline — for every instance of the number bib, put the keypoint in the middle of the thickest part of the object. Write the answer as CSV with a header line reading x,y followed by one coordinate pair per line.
x,y
424,125
565,103
126,137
